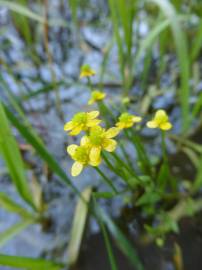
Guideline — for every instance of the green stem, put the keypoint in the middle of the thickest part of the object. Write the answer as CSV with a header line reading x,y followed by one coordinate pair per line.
x,y
125,154
90,85
138,146
163,145
121,174
107,180
127,169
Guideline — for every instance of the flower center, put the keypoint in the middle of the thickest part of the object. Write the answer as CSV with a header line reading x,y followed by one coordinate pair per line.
x,y
125,118
96,137
80,118
162,119
95,94
81,154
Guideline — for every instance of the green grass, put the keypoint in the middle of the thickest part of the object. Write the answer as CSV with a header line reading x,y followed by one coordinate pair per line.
x,y
11,154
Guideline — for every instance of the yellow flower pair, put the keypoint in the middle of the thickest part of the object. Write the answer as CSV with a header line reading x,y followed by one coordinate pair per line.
x,y
91,145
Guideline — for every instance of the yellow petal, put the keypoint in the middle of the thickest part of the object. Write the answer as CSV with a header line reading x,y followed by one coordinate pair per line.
x,y
87,73
68,126
137,119
120,125
152,124
84,141
93,122
71,149
92,115
112,132
165,126
95,163
75,131
109,145
95,153
77,168
103,95
161,116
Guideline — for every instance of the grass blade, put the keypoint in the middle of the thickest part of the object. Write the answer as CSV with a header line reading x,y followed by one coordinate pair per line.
x,y
11,154
197,43
11,206
33,139
28,263
14,230
122,242
183,57
111,257
21,9
78,226
151,38
22,24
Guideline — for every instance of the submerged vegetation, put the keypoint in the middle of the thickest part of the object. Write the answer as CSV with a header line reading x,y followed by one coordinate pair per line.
x,y
117,84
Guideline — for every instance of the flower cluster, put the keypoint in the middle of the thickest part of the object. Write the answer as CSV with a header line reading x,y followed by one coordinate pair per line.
x,y
97,138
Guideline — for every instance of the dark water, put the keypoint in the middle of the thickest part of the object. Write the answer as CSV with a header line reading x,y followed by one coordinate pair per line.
x,y
94,256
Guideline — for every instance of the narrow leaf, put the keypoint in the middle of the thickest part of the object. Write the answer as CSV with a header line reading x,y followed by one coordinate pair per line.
x,y
78,226
28,263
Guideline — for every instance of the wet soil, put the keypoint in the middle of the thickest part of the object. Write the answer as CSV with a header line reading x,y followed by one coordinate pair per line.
x,y
93,254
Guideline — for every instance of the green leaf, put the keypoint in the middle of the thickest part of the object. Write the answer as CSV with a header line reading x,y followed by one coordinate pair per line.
x,y
36,142
121,241
22,24
110,253
11,154
21,9
148,41
8,234
28,263
104,195
182,52
197,42
24,11
78,226
13,207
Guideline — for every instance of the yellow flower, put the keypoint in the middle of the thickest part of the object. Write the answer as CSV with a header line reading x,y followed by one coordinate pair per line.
x,y
86,71
96,96
80,154
82,121
160,120
127,120
99,139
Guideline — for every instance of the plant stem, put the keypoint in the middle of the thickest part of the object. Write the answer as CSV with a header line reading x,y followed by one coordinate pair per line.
x,y
163,145
107,180
119,173
138,146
